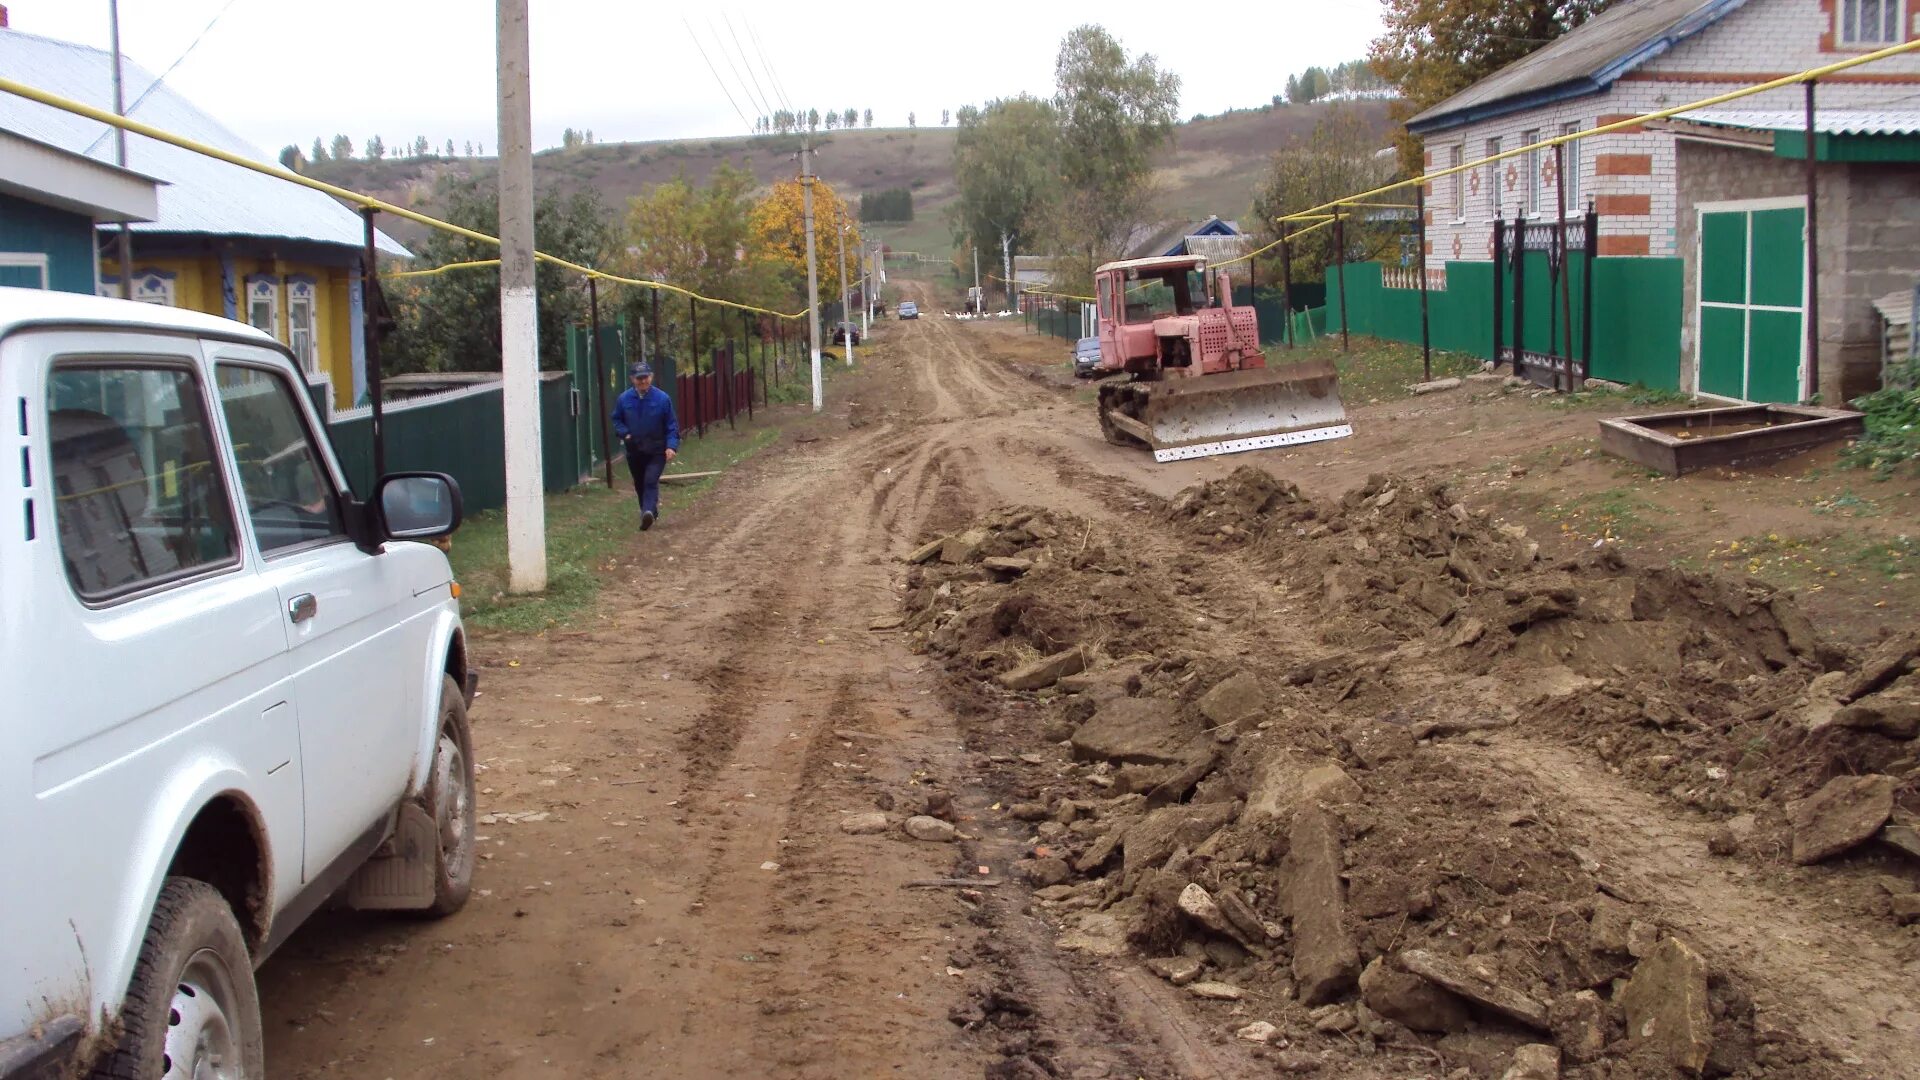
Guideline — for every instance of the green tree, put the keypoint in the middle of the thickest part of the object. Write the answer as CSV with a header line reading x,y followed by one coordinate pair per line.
x,y
1293,90
290,158
1006,166
910,122
1338,160
701,238
451,322
1115,113
867,118
376,149
319,151
1433,49
850,119
342,148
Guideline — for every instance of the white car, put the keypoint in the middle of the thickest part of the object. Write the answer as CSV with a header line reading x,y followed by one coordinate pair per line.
x,y
232,691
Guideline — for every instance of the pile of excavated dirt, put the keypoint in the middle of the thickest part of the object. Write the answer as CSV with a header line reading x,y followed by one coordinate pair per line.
x,y
1716,692
1264,820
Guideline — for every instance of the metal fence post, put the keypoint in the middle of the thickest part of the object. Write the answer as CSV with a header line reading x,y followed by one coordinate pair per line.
x,y
656,324
1574,379
1519,289
1340,263
1420,243
1286,281
1500,291
599,375
370,318
1813,252
1586,293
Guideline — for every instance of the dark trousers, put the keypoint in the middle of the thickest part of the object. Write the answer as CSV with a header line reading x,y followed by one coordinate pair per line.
x,y
646,468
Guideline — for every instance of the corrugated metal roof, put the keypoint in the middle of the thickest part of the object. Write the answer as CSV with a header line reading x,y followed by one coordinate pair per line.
x,y
1217,249
1584,60
204,195
1825,121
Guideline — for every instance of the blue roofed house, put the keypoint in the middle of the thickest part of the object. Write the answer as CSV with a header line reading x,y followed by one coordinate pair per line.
x,y
1720,190
222,239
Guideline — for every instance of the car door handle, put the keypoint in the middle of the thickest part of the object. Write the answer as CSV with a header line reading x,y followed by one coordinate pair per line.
x,y
302,607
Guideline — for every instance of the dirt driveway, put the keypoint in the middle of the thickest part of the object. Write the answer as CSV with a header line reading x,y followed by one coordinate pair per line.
x,y
668,887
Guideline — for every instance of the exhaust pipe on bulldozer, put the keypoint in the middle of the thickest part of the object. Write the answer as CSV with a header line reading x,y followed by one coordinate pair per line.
x,y
1250,409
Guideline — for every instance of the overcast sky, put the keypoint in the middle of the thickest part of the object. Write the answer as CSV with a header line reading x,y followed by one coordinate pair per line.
x,y
278,72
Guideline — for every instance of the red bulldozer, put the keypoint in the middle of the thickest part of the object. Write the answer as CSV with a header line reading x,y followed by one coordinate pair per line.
x,y
1197,383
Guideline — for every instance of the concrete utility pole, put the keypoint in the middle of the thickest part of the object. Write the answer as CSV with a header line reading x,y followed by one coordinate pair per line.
x,y
813,273
519,330
846,295
1006,261
866,289
120,153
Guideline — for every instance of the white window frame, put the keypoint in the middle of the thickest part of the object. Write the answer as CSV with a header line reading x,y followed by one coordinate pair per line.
x,y
154,287
1846,17
1456,154
307,353
265,288
1531,204
36,260
1497,205
1571,161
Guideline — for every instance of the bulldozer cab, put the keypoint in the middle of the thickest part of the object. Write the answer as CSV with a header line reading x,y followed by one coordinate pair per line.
x,y
1160,293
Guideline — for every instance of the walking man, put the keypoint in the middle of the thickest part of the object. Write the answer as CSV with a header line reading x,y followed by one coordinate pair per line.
x,y
643,418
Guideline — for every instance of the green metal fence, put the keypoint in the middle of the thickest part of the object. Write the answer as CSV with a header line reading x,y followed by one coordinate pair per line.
x,y
1636,305
462,433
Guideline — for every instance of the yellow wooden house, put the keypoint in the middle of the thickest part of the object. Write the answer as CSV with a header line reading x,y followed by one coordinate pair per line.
x,y
227,240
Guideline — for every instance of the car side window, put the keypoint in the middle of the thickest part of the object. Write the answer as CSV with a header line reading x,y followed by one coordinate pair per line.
x,y
289,497
139,497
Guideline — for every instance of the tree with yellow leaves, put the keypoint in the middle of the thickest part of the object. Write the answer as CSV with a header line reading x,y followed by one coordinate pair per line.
x,y
779,231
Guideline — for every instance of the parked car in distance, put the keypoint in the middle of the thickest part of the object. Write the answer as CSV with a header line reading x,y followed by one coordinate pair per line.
x,y
843,330
1086,357
235,691
909,310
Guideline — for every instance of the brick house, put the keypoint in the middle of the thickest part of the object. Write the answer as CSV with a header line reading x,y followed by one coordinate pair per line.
x,y
1683,189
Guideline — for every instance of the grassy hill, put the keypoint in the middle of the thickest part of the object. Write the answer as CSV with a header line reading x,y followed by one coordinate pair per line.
x,y
1212,168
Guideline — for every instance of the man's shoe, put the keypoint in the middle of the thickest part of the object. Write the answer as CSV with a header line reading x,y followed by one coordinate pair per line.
x,y
646,520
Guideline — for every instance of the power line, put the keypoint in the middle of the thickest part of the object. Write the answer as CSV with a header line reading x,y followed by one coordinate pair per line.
x,y
773,74
716,75
155,84
759,104
747,62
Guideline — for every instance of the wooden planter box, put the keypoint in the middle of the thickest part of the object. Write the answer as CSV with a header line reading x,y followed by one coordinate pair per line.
x,y
1682,442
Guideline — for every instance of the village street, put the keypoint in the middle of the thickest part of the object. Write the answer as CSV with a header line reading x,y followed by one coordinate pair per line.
x,y
670,886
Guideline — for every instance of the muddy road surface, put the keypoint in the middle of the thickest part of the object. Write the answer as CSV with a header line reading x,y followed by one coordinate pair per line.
x,y
678,880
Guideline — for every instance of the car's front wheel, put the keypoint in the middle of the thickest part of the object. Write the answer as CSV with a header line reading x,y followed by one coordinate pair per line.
x,y
191,1012
450,799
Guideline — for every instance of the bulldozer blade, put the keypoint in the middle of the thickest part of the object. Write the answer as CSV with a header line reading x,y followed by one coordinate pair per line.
x,y
1254,409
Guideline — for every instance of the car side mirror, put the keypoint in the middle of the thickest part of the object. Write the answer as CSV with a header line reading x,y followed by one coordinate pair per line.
x,y
417,506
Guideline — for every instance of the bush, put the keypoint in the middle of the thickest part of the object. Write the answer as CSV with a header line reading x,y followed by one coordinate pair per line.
x,y
1892,420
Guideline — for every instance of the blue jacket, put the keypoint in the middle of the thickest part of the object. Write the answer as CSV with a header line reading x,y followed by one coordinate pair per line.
x,y
646,424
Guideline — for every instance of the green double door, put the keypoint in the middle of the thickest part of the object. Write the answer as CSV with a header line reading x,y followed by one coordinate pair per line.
x,y
1752,287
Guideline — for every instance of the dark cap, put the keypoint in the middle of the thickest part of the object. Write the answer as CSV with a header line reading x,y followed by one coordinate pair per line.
x,y
642,369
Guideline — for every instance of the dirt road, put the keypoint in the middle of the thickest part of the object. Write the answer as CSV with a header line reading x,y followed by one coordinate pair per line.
x,y
666,887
